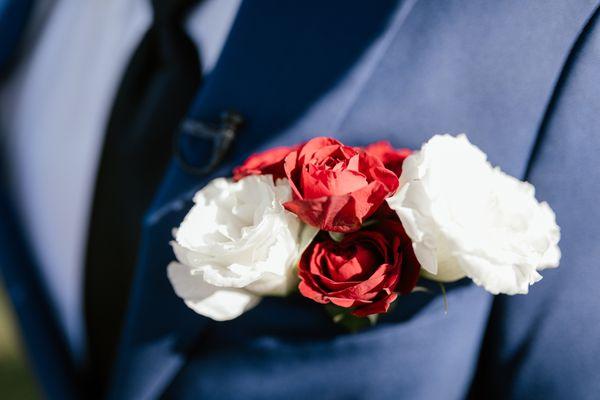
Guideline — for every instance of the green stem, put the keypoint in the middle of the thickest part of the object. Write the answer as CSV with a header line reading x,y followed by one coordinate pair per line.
x,y
444,298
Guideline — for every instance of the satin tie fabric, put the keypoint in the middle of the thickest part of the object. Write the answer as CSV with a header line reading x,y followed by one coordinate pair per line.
x,y
157,88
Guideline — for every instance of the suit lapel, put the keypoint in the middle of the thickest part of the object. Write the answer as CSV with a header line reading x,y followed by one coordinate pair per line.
x,y
39,328
41,333
488,69
398,71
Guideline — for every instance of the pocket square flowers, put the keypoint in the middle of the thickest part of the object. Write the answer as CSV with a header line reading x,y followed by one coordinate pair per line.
x,y
357,227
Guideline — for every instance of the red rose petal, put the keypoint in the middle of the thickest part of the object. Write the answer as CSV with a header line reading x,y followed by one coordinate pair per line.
x,y
391,158
335,187
264,163
378,307
364,272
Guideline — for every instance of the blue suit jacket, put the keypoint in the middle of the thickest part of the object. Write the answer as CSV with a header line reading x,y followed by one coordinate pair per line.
x,y
522,78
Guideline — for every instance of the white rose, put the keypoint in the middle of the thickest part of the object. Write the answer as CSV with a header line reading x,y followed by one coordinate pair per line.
x,y
466,218
236,245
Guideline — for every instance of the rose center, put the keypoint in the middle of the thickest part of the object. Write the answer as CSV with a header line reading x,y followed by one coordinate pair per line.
x,y
352,263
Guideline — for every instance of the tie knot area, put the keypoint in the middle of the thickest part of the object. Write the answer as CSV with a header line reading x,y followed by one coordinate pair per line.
x,y
171,12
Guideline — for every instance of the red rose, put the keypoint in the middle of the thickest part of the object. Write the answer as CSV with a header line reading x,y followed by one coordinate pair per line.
x,y
364,271
267,162
336,187
391,158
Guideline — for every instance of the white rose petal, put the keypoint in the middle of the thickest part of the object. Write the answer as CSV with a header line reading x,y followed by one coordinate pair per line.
x,y
219,304
466,218
237,244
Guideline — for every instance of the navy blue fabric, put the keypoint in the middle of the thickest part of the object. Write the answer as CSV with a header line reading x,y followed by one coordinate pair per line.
x,y
41,334
546,345
490,69
520,78
45,342
13,18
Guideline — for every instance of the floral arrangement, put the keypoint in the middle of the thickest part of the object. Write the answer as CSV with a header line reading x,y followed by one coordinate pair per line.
x,y
354,228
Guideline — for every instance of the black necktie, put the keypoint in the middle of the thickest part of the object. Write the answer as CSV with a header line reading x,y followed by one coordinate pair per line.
x,y
157,88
